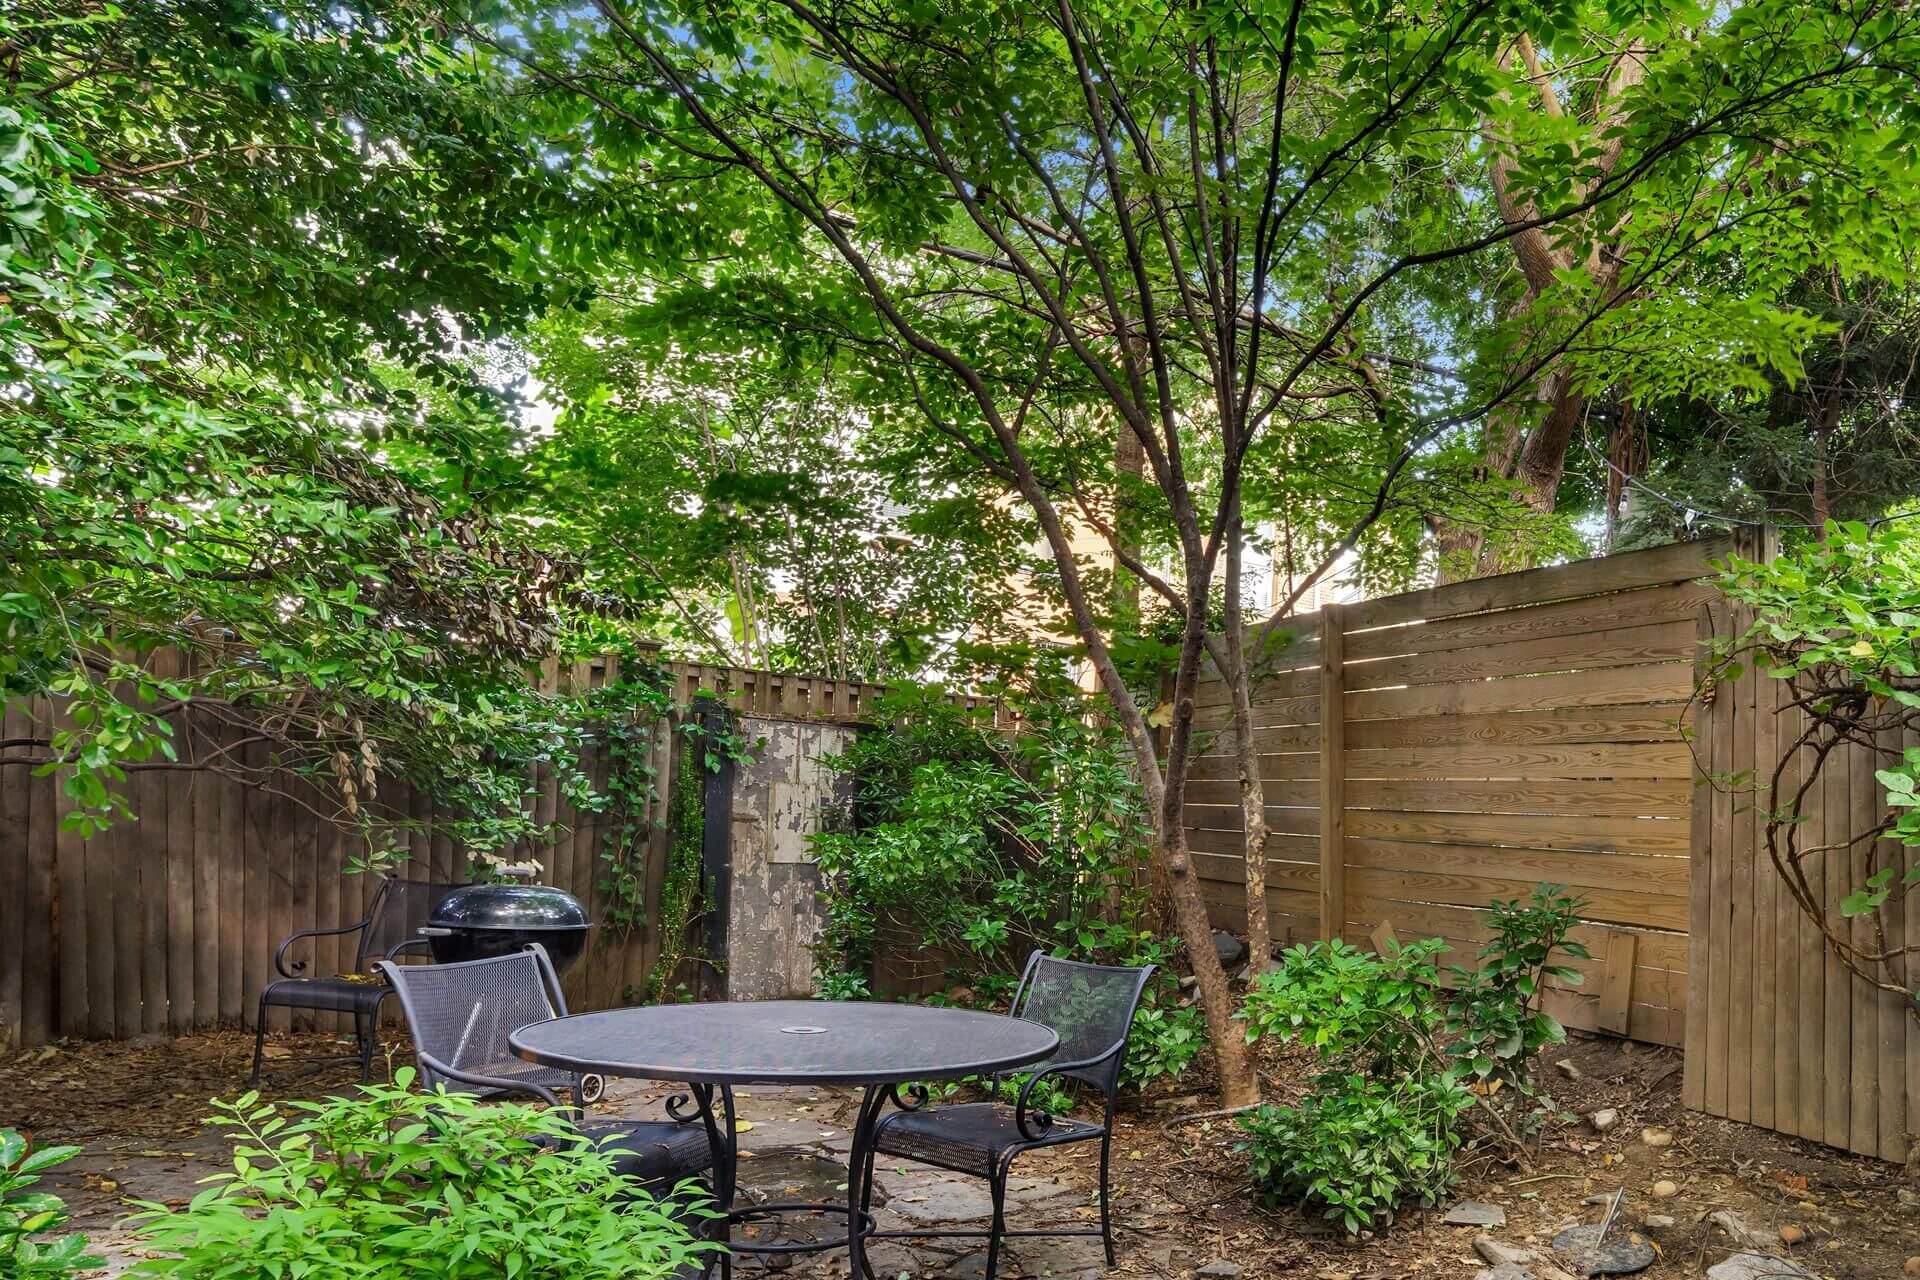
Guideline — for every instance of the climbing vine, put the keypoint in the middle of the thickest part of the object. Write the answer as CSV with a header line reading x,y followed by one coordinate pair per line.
x,y
1839,622
624,717
680,892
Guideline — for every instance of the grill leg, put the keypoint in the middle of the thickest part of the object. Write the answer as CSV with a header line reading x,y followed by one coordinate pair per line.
x,y
259,1041
1106,1219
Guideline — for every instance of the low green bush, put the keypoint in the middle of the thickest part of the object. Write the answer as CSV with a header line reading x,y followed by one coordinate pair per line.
x,y
29,1219
395,1183
1167,1037
1359,1146
1404,1061
984,846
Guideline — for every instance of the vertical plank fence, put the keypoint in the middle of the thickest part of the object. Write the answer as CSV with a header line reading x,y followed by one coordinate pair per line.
x,y
1790,1039
167,923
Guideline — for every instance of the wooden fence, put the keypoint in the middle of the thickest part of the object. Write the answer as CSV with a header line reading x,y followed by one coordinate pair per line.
x,y
1429,753
168,923
1787,1037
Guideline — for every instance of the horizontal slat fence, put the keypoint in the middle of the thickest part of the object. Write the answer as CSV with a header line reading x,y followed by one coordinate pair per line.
x,y
1427,754
168,923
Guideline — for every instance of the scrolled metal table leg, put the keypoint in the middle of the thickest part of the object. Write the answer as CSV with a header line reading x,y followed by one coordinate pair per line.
x,y
860,1181
724,1142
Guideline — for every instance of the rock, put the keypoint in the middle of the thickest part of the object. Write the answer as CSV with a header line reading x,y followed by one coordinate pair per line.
x,y
1791,1235
1495,1252
1592,1249
1757,1266
972,1266
1475,1213
1657,1222
1742,1235
1505,1271
1666,1188
1656,1137
1188,982
1229,948
1912,1266
1908,1197
1604,1119
1566,1065
1219,1268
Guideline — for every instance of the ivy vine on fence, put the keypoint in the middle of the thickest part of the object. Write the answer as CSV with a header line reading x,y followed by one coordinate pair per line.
x,y
1839,621
628,717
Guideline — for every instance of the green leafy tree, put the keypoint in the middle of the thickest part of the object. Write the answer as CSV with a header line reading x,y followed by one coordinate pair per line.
x,y
1194,230
249,515
739,500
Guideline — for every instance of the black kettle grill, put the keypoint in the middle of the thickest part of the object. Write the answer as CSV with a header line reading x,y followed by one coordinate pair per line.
x,y
479,921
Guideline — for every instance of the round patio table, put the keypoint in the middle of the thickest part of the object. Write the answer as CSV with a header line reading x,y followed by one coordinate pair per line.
x,y
713,1047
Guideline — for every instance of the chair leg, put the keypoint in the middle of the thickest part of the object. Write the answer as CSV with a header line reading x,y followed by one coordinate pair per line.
x,y
998,1183
1106,1218
259,1042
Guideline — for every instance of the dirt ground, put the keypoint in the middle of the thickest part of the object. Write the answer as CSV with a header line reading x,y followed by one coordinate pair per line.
x,y
1859,1218
1181,1191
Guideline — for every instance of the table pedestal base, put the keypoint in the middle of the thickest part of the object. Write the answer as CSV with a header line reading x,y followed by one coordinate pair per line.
x,y
714,1106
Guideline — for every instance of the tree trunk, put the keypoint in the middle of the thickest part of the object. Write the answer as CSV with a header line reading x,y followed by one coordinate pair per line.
x,y
1818,492
1239,1086
1231,656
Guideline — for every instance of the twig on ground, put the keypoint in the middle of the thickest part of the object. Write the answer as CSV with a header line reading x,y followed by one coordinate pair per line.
x,y
1198,1116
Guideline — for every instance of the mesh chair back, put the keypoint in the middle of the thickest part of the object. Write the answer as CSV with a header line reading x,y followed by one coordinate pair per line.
x,y
461,1014
1089,1006
399,909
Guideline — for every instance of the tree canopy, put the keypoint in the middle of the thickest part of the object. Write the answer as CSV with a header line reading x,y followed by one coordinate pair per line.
x,y
245,250
361,356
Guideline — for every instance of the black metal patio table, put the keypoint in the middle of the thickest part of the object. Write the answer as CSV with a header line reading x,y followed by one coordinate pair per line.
x,y
713,1047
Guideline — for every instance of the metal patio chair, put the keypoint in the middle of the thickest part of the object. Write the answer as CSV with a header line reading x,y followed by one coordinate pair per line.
x,y
390,929
1090,1007
461,1015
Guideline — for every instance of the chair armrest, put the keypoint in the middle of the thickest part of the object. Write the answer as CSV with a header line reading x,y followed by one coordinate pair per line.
x,y
478,1081
299,966
1042,1121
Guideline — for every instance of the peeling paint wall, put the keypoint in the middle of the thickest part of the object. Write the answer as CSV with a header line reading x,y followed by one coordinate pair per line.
x,y
773,908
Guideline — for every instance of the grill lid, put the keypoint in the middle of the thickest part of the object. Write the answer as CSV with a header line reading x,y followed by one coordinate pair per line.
x,y
533,908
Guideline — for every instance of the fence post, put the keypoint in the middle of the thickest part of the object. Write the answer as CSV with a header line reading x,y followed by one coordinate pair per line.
x,y
1333,774
716,838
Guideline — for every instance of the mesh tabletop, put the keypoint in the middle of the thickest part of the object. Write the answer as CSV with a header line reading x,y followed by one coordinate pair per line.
x,y
787,1042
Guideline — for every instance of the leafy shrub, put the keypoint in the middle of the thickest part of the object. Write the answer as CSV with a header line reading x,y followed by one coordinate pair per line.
x,y
1495,1028
1348,1004
26,1213
1403,1060
989,846
985,845
1359,1146
1166,1039
396,1183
